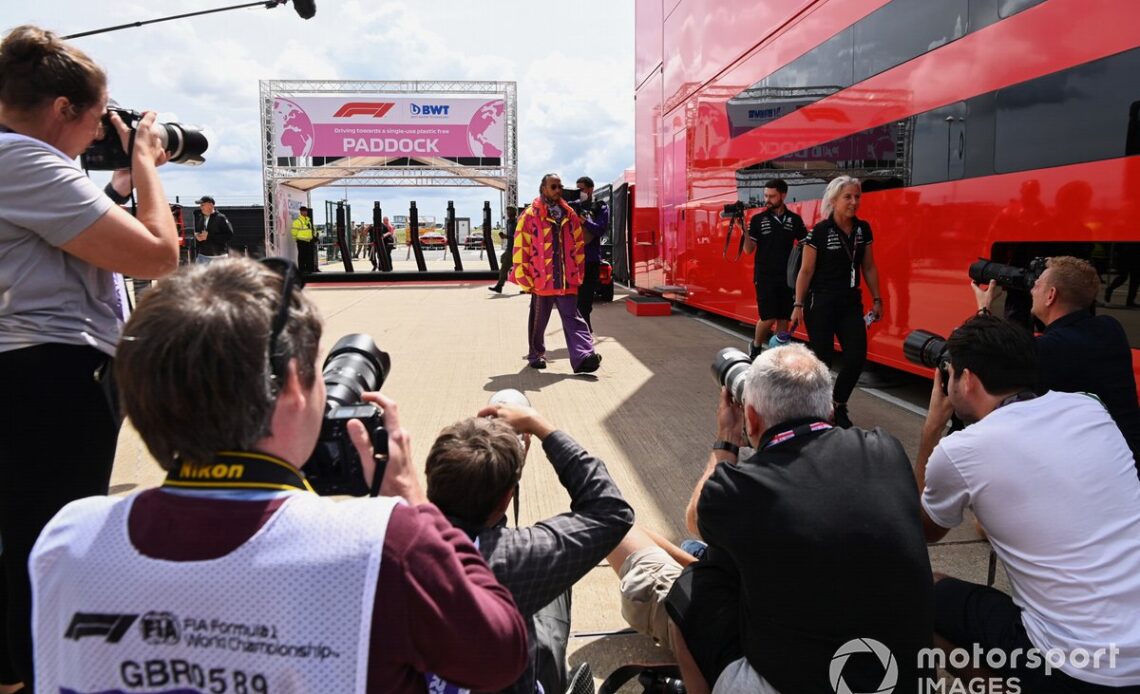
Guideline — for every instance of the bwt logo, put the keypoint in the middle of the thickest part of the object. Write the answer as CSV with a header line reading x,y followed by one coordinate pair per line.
x,y
430,109
363,108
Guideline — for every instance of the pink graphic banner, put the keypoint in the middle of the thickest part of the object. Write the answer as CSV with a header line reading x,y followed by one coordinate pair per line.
x,y
387,127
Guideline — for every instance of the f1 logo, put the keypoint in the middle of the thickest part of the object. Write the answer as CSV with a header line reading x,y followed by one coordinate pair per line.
x,y
110,626
363,108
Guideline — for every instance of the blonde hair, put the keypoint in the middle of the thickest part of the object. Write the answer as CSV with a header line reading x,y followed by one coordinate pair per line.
x,y
834,189
1076,280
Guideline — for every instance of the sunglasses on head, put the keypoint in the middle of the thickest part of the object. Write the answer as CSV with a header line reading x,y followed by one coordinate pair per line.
x,y
291,278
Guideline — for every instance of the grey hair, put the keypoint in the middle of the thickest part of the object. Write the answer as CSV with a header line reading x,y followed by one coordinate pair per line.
x,y
789,382
834,189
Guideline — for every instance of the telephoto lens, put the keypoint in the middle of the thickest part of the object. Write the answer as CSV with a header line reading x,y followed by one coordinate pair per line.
x,y
355,366
729,370
924,348
509,396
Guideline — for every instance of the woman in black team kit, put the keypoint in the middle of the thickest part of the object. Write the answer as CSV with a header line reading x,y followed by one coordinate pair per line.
x,y
837,253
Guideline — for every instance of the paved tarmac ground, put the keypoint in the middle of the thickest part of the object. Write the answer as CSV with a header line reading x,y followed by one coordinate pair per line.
x,y
648,412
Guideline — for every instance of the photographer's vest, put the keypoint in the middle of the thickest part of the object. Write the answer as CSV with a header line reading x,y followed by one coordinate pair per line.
x,y
289,611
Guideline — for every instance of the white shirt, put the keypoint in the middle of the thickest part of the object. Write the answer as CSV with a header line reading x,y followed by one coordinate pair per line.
x,y
1054,484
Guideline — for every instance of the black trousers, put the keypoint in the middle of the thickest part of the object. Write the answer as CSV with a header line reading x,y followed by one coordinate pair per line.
x,y
306,256
505,261
57,444
831,315
586,291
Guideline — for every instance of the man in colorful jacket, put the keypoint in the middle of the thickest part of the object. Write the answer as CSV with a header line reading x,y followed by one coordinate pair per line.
x,y
549,264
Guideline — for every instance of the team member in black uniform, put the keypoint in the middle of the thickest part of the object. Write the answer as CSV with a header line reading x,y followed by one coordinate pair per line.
x,y
770,236
837,253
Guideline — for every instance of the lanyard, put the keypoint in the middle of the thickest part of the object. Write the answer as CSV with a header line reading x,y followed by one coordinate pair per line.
x,y
239,470
801,430
851,250
1017,397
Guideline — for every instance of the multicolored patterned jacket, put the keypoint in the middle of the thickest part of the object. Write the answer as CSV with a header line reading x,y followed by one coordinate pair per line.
x,y
548,257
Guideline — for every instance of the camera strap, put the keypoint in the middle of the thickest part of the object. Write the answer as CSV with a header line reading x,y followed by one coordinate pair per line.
x,y
1017,397
789,434
728,237
239,470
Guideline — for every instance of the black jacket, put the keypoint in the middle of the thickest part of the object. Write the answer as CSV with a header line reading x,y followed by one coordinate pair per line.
x,y
825,533
218,233
1083,353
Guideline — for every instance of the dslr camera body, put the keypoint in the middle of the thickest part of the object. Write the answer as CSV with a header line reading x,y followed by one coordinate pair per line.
x,y
354,366
183,143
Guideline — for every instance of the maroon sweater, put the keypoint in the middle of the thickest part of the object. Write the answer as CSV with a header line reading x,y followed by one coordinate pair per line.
x,y
438,607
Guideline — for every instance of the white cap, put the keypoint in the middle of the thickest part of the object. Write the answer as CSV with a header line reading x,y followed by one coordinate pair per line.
x,y
509,396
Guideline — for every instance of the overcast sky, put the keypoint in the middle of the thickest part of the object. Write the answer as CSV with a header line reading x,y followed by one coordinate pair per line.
x,y
573,63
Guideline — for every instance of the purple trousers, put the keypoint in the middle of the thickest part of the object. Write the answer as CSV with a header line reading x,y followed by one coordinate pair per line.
x,y
579,341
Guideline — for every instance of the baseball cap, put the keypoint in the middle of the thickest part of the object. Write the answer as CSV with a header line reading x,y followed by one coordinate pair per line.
x,y
303,208
204,198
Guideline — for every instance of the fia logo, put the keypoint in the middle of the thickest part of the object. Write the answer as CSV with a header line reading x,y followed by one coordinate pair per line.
x,y
160,628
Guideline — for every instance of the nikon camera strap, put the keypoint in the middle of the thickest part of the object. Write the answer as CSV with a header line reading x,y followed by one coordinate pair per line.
x,y
239,470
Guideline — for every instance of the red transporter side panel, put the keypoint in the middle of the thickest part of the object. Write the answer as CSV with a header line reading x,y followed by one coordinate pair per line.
x,y
695,145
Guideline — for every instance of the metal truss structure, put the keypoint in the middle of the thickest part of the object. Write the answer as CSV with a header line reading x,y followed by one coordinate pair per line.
x,y
389,172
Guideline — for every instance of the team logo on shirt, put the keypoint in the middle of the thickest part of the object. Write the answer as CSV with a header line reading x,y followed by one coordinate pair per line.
x,y
111,627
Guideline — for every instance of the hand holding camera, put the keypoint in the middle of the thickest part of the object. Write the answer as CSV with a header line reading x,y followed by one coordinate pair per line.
x,y
399,476
940,410
986,297
729,419
148,146
524,420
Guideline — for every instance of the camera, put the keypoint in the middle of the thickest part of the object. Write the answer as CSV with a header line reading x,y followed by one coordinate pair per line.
x,y
924,348
729,369
734,209
1007,276
354,366
183,143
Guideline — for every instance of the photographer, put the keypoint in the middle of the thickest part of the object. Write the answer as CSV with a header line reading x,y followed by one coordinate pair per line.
x,y
813,541
595,223
473,472
1080,352
1053,483
62,240
313,595
837,253
771,234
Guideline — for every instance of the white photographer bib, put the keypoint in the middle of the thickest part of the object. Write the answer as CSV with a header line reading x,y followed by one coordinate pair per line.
x,y
289,611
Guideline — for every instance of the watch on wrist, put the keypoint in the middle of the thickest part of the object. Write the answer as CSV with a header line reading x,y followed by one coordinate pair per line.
x,y
797,305
723,445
